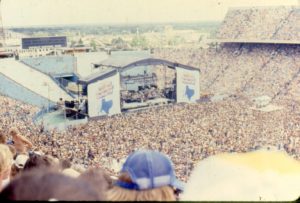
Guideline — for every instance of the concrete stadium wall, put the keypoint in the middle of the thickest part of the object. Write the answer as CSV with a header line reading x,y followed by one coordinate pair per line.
x,y
11,88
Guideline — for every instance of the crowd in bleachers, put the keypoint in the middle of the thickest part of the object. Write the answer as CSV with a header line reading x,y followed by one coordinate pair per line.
x,y
261,23
249,69
289,29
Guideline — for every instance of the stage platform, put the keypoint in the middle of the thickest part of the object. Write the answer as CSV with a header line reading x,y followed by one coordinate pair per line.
x,y
57,119
152,102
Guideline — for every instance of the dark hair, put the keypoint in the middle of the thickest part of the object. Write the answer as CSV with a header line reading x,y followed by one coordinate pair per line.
x,y
36,161
98,178
65,163
3,137
46,184
14,171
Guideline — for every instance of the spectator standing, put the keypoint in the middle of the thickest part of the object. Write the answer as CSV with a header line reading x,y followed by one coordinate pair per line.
x,y
21,143
146,175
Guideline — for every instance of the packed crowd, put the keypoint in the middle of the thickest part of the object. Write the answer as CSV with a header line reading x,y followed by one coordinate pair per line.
x,y
192,131
288,30
186,133
273,23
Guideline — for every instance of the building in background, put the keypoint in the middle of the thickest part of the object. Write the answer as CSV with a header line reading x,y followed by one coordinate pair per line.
x,y
43,42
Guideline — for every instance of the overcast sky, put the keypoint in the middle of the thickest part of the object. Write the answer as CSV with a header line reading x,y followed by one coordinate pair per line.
x,y
60,12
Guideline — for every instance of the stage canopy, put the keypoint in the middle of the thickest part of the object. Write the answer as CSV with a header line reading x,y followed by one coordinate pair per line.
x,y
119,64
103,87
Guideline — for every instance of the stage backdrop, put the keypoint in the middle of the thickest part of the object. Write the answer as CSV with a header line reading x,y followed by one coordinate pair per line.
x,y
104,96
187,85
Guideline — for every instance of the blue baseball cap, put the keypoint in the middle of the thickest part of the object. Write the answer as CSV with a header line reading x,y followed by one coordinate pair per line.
x,y
149,169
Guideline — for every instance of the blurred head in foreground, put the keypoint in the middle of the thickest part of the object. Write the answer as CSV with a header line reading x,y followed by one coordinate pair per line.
x,y
6,161
47,184
263,175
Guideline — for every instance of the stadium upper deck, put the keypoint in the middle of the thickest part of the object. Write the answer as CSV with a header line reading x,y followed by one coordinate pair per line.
x,y
261,24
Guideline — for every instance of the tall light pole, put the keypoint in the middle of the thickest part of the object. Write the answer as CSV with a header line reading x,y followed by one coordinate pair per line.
x,y
48,96
47,84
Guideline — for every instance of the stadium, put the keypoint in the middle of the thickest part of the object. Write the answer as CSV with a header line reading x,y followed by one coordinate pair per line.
x,y
247,98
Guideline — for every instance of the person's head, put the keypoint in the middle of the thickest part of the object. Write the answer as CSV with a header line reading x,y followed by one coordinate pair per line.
x,y
146,175
97,177
47,184
6,160
260,175
37,160
13,132
65,163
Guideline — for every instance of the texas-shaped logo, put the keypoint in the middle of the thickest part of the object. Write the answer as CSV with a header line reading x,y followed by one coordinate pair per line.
x,y
189,92
106,105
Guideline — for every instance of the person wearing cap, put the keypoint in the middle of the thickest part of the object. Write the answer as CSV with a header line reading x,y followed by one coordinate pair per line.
x,y
146,175
21,160
18,165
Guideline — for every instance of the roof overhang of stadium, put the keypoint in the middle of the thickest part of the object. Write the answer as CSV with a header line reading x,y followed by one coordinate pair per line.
x,y
121,68
6,53
256,41
74,48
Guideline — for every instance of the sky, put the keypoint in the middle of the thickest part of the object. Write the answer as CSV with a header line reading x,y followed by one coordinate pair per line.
x,y
61,12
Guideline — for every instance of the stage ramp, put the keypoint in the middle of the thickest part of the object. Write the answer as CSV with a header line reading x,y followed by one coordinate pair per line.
x,y
38,85
57,120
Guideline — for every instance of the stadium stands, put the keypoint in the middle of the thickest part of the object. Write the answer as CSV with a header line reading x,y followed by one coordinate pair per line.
x,y
250,69
262,24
